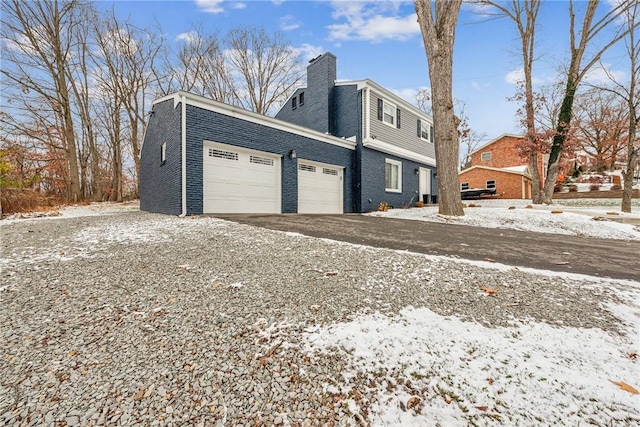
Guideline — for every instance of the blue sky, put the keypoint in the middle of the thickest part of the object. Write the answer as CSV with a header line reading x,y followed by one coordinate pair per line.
x,y
380,40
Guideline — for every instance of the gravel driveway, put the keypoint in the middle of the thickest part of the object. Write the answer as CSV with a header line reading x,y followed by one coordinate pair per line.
x,y
145,319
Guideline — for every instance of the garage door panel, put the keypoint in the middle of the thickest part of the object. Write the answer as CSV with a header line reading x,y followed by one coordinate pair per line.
x,y
240,181
320,188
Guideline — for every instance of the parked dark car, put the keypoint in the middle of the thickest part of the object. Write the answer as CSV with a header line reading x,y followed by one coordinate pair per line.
x,y
476,193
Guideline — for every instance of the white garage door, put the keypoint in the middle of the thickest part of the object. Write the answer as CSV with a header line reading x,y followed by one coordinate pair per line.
x,y
319,188
237,180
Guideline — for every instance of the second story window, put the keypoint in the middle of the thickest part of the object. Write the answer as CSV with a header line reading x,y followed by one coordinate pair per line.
x,y
301,99
294,103
163,153
424,130
388,113
485,156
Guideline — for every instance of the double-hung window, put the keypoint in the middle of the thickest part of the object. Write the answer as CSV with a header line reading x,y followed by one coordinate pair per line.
x,y
424,130
393,176
389,113
491,184
464,186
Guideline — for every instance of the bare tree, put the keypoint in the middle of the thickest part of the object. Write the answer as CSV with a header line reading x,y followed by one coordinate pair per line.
x,y
629,94
39,40
423,100
124,73
438,33
632,96
264,68
602,123
578,68
524,14
199,68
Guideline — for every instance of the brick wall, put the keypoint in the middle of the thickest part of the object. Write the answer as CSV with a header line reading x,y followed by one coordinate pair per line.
x,y
508,185
207,125
504,154
161,184
373,181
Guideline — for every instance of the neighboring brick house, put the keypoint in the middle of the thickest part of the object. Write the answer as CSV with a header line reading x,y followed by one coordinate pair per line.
x,y
332,148
499,165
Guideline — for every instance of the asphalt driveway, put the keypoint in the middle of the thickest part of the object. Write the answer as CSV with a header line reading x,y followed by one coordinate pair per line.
x,y
595,257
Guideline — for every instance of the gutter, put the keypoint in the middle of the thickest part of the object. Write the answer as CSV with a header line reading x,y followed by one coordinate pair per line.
x,y
183,125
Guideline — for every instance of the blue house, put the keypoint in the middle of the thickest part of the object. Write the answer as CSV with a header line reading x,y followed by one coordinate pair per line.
x,y
334,147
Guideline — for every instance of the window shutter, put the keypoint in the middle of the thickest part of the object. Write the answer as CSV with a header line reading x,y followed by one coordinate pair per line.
x,y
398,118
419,129
379,109
431,133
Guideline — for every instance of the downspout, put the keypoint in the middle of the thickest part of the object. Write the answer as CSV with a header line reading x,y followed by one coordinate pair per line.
x,y
183,125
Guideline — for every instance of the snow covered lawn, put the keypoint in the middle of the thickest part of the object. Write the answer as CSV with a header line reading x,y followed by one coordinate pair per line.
x,y
419,367
587,218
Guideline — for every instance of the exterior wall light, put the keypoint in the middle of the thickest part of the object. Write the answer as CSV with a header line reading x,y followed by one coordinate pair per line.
x,y
292,154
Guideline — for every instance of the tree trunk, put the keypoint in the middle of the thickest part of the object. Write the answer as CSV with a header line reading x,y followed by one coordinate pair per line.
x,y
438,36
537,195
564,121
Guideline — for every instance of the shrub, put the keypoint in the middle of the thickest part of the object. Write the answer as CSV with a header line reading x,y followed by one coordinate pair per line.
x,y
594,187
573,188
419,204
558,187
616,187
27,200
383,207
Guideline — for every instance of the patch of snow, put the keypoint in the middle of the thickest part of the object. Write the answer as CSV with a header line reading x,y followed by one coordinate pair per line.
x,y
528,374
575,221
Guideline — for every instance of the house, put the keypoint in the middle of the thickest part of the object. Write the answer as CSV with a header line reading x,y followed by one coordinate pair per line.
x,y
334,147
499,165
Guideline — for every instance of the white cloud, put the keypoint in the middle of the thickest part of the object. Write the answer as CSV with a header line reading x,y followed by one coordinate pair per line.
x,y
307,51
210,6
372,21
602,73
238,5
516,77
188,37
288,23
277,2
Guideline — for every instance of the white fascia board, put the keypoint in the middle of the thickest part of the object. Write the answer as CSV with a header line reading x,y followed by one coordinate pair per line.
x,y
385,147
370,84
239,113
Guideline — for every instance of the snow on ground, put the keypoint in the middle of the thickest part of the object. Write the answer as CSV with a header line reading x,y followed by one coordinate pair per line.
x,y
464,368
507,375
587,218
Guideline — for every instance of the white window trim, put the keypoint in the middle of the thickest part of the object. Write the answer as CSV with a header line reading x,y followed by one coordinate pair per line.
x,y
424,124
482,156
399,165
388,104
